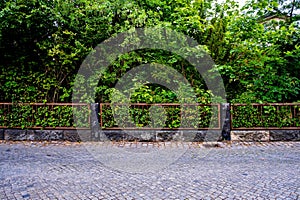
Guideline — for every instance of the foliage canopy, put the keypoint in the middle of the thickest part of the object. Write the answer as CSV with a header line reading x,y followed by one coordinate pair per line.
x,y
43,44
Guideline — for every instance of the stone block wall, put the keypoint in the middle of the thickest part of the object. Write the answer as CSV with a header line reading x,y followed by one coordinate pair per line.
x,y
285,135
160,135
113,135
39,135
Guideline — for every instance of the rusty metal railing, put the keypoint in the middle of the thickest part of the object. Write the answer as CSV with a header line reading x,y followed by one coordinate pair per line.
x,y
178,116
272,116
60,116
45,115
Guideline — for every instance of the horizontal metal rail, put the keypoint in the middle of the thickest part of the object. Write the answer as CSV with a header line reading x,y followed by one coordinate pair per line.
x,y
46,104
266,104
288,115
162,104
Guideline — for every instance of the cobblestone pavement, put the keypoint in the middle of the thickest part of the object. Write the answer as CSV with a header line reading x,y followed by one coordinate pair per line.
x,y
32,170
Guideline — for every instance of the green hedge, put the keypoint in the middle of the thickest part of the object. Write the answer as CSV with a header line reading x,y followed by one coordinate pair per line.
x,y
247,116
30,116
175,116
162,116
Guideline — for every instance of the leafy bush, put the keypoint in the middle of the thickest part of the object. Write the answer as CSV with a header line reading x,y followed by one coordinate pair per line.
x,y
42,116
158,116
265,116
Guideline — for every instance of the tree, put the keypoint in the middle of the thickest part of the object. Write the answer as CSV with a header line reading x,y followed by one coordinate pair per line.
x,y
43,44
263,62
286,8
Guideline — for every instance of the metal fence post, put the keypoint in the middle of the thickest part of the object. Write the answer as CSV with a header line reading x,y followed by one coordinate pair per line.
x,y
225,123
95,120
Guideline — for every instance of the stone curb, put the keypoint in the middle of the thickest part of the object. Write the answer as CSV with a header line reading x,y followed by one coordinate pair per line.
x,y
264,136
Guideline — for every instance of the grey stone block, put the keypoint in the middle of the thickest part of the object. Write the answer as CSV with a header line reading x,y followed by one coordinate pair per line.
x,y
100,135
200,136
250,136
30,135
128,135
144,135
166,135
189,135
71,135
85,135
114,135
213,135
138,135
285,135
180,136
15,134
48,135
197,135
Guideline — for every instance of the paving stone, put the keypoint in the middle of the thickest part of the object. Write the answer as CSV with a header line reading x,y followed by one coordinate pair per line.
x,y
60,170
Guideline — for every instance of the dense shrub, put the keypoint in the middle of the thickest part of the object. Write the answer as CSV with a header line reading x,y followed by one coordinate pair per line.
x,y
43,116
